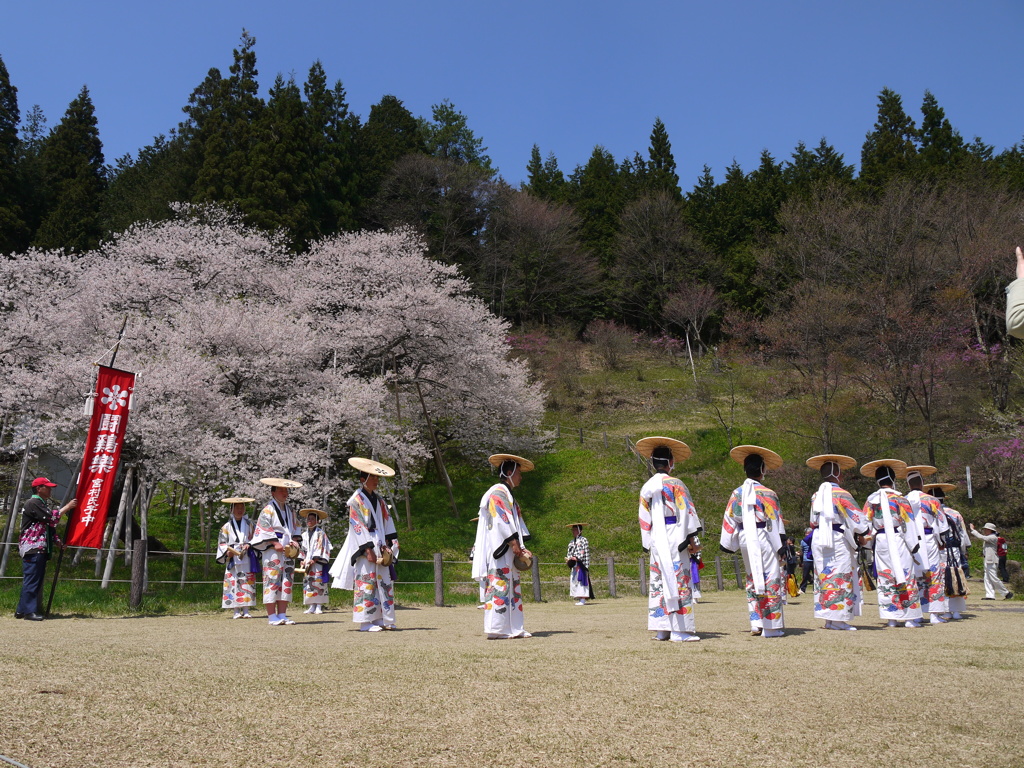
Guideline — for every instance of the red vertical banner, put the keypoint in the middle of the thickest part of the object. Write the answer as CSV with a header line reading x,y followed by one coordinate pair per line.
x,y
111,402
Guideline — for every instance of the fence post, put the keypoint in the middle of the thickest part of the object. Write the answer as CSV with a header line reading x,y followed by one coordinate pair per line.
x,y
139,547
581,435
643,576
718,573
558,430
739,571
611,577
438,580
606,441
535,570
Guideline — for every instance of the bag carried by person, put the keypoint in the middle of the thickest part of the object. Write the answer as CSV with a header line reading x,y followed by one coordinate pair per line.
x,y
866,569
956,582
791,586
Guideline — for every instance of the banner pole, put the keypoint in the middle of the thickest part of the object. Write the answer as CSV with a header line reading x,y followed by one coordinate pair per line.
x,y
117,346
67,524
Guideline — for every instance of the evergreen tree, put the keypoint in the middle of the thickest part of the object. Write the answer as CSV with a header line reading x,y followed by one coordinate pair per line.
x,y
74,180
31,174
13,230
277,180
225,113
661,170
544,179
390,133
890,149
449,137
807,169
333,131
141,189
942,147
595,192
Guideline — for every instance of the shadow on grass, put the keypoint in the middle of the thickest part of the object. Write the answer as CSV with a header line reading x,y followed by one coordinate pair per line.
x,y
549,632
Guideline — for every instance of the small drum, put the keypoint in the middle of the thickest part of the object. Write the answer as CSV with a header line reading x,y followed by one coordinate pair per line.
x,y
523,562
385,558
291,550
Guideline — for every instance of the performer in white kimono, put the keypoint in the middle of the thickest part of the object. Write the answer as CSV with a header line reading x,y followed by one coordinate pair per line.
x,y
839,528
500,550
364,564
668,533
753,525
315,551
239,561
930,565
277,536
577,557
896,542
958,539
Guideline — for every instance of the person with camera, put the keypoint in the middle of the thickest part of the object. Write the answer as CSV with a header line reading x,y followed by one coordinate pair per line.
x,y
500,552
277,536
365,563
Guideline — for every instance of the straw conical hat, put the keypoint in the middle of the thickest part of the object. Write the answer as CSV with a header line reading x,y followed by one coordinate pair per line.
x,y
899,467
278,482
944,487
772,460
925,470
304,513
237,500
844,462
525,465
680,450
581,525
371,467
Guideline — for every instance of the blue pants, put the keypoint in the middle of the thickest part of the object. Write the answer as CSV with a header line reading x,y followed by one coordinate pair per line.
x,y
33,573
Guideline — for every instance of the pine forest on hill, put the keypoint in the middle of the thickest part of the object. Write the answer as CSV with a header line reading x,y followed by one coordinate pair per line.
x,y
799,304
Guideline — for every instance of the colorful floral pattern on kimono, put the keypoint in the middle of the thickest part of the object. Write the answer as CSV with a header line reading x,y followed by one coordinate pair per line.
x,y
503,591
364,597
931,587
833,590
278,572
894,597
656,607
239,589
766,607
497,505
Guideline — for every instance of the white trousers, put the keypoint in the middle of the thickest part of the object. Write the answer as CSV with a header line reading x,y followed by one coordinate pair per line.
x,y
992,582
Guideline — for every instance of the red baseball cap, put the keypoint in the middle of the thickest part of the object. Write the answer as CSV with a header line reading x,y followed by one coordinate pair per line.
x,y
43,481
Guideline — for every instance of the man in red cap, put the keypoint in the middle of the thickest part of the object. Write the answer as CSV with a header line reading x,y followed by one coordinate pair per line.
x,y
38,533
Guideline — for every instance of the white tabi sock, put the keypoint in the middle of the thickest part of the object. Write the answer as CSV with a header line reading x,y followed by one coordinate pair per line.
x,y
271,618
661,635
683,637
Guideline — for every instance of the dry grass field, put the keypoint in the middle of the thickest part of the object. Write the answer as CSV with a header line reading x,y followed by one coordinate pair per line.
x,y
589,689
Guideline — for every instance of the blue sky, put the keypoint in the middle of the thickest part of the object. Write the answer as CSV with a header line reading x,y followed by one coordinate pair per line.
x,y
728,78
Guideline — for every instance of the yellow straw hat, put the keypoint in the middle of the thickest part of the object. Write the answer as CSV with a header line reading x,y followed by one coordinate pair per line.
x,y
772,460
237,500
924,470
525,465
844,462
304,513
574,525
278,482
944,487
371,467
898,467
680,450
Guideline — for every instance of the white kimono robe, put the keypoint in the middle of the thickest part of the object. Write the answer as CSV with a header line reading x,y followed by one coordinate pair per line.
x,y
930,568
239,578
895,541
316,550
759,539
579,574
668,521
959,557
276,524
501,522
370,528
837,595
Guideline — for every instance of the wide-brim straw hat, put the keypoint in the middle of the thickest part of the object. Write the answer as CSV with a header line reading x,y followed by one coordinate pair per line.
x,y
525,465
579,525
237,500
944,487
318,512
473,519
844,462
280,482
772,460
925,470
899,467
680,450
989,527
371,467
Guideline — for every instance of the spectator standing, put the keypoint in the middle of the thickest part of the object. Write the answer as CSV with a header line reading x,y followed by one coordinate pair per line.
x,y
38,536
989,538
807,557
